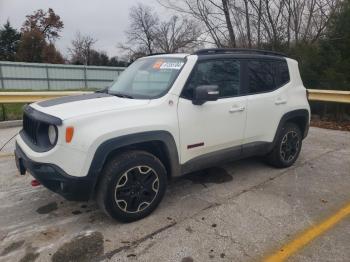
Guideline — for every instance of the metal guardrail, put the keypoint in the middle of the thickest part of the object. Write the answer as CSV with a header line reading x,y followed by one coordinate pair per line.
x,y
329,95
28,97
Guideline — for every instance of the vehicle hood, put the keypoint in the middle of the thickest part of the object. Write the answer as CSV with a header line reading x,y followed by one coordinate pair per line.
x,y
81,105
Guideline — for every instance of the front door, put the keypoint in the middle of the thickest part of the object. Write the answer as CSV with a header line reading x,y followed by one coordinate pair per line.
x,y
215,125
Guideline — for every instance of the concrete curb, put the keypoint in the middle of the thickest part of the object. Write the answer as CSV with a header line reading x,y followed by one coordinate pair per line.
x,y
13,123
6,155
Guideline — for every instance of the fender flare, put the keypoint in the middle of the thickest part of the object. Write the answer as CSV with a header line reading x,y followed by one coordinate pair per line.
x,y
105,148
303,113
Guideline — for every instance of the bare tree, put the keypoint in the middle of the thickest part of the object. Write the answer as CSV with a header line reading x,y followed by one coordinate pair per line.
x,y
225,9
258,23
148,35
140,34
81,49
212,14
177,35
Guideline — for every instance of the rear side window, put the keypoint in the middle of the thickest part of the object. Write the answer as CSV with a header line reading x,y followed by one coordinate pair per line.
x,y
223,73
266,76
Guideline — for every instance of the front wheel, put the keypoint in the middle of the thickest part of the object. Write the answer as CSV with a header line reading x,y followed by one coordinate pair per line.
x,y
132,186
287,147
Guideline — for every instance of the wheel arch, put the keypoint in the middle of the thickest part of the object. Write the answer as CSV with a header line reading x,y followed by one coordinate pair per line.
x,y
159,143
300,117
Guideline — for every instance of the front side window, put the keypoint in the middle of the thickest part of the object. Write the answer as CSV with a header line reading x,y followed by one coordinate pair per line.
x,y
147,78
223,73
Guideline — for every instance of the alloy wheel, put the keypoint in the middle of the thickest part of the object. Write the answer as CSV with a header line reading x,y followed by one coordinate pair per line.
x,y
289,146
136,189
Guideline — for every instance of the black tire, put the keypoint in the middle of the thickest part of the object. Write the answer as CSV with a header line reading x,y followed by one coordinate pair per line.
x,y
132,185
287,147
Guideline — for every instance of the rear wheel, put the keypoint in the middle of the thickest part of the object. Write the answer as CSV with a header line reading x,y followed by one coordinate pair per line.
x,y
132,186
287,147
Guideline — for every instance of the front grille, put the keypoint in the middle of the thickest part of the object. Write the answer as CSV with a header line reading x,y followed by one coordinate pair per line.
x,y
30,128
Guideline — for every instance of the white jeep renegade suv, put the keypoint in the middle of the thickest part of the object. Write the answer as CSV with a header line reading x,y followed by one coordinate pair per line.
x,y
165,116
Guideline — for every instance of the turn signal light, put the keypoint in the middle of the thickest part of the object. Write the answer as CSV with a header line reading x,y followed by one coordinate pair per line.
x,y
69,134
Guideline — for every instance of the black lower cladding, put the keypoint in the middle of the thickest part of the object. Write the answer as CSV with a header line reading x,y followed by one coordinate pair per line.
x,y
55,179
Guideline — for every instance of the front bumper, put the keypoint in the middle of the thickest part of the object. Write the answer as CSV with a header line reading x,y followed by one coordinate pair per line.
x,y
55,179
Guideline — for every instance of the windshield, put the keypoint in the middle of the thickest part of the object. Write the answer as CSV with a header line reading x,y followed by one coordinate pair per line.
x,y
147,78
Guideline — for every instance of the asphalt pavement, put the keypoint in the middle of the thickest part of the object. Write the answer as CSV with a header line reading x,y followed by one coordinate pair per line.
x,y
241,211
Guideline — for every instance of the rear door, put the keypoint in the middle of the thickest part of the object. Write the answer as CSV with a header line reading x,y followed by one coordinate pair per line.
x,y
215,125
266,88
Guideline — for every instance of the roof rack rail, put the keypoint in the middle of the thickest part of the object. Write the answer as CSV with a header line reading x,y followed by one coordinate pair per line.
x,y
159,53
210,51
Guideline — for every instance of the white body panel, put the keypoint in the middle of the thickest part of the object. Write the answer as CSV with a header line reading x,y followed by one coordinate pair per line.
x,y
264,113
91,130
265,110
217,124
97,120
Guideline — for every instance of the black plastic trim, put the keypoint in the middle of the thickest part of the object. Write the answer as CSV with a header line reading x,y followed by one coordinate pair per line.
x,y
304,113
211,159
226,155
42,117
42,148
55,179
104,150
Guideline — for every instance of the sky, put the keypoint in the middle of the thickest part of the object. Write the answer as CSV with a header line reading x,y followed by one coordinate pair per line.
x,y
105,20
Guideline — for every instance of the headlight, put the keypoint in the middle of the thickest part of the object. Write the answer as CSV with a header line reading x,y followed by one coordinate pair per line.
x,y
52,133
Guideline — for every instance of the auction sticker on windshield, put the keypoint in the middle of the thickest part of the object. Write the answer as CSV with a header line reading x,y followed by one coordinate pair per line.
x,y
172,65
161,64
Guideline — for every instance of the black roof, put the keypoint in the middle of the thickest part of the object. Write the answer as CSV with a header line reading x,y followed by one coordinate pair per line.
x,y
216,51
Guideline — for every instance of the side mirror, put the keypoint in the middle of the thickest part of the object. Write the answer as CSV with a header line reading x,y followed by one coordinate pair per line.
x,y
205,93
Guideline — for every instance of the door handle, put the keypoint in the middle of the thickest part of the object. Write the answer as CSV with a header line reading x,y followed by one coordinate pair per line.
x,y
237,109
280,102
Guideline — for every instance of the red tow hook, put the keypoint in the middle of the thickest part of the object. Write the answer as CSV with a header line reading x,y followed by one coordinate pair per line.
x,y
35,183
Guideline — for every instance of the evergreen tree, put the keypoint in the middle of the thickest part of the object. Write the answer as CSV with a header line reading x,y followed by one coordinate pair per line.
x,y
9,40
335,49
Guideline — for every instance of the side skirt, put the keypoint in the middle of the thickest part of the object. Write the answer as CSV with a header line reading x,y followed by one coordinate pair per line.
x,y
226,155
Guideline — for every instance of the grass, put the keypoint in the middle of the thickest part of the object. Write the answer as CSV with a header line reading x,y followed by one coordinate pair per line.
x,y
12,112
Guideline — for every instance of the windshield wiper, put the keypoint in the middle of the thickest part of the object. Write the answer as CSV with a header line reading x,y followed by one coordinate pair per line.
x,y
120,95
